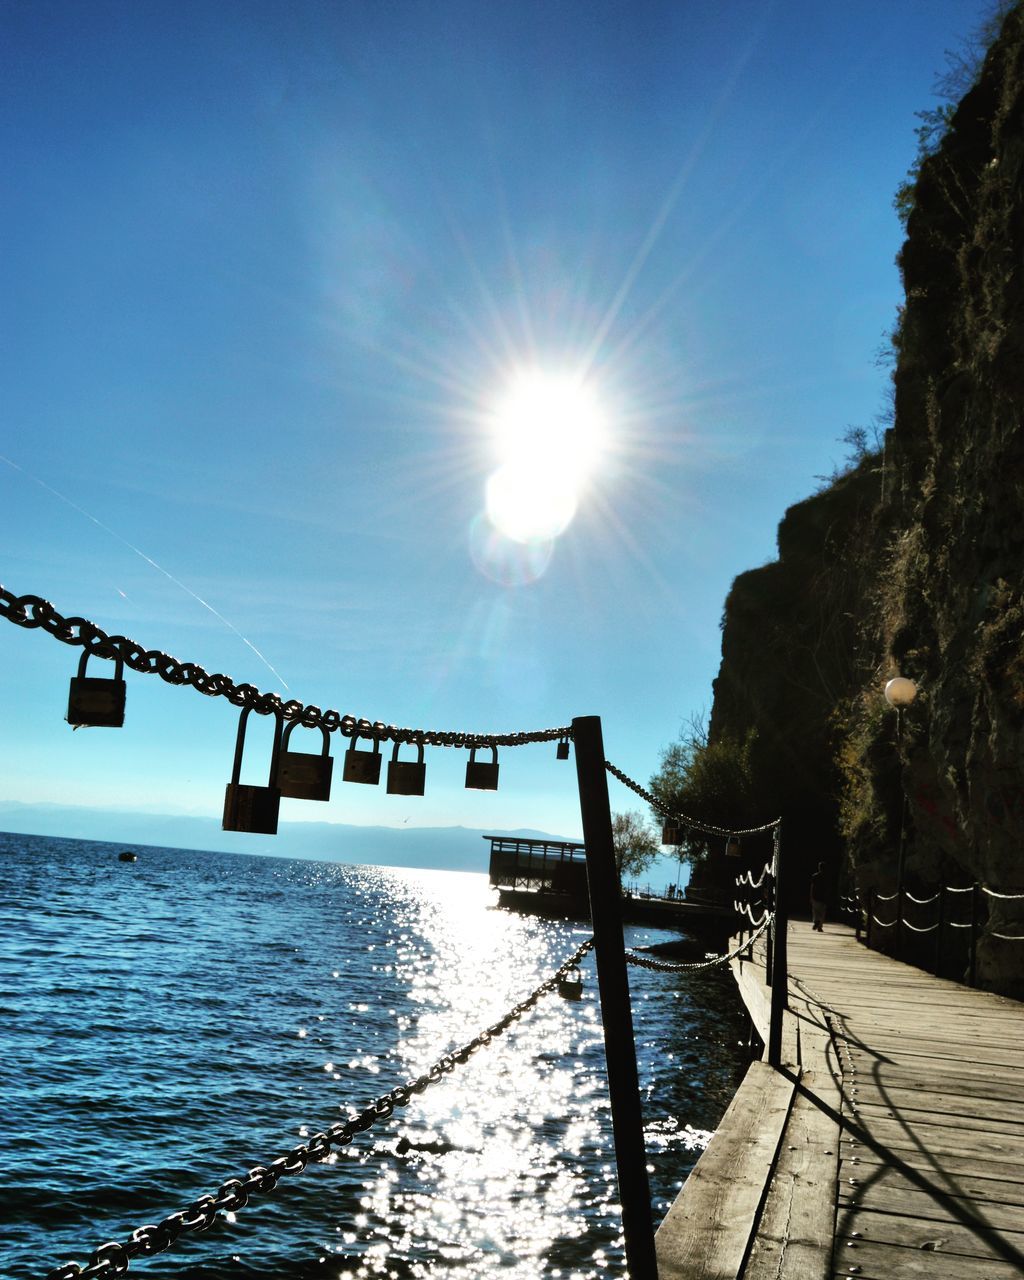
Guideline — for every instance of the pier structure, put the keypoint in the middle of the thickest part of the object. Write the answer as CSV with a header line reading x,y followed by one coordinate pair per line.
x,y
888,1142
549,877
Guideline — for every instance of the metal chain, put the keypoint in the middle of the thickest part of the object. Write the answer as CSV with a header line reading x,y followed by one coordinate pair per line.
x,y
113,1259
706,828
34,612
666,966
1006,897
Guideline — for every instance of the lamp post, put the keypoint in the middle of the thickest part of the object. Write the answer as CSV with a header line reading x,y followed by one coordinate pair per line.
x,y
900,692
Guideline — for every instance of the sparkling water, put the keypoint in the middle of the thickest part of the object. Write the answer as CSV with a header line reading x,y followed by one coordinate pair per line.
x,y
169,1023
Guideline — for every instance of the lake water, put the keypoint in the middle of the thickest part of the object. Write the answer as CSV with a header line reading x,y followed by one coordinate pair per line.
x,y
169,1023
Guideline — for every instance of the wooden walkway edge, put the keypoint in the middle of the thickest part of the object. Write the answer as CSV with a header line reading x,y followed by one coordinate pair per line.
x,y
890,1144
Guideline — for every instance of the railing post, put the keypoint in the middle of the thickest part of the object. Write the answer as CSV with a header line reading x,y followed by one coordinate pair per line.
x,y
616,1013
780,967
897,949
870,925
857,914
938,928
972,971
770,893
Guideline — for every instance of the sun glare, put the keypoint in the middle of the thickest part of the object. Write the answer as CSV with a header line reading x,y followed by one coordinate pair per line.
x,y
549,433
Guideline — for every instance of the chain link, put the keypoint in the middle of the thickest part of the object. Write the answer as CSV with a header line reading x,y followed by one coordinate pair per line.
x,y
666,966
33,612
705,828
113,1259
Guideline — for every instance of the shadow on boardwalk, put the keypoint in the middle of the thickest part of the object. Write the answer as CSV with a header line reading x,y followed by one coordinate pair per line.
x,y
890,1145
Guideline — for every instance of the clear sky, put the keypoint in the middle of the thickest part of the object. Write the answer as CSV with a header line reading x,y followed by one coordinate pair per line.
x,y
274,278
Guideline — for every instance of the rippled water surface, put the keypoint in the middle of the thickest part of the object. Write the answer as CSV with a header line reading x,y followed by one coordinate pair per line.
x,y
172,1022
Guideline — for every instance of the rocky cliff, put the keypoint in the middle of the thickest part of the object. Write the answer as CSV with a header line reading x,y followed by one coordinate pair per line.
x,y
914,564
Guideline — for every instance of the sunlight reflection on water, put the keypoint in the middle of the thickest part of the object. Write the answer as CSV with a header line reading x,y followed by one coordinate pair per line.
x,y
184,1018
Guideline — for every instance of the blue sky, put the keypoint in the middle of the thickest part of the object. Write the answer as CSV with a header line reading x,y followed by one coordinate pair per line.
x,y
268,272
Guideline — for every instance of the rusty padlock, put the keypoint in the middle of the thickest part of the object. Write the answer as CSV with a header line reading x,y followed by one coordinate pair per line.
x,y
482,775
250,808
733,848
95,701
563,750
670,833
302,775
570,986
362,766
406,777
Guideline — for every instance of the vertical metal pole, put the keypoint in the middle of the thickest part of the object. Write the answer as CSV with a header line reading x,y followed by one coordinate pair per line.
x,y
616,1013
780,966
972,972
898,940
768,897
938,928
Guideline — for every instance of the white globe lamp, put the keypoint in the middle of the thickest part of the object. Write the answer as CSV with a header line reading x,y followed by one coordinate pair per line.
x,y
900,692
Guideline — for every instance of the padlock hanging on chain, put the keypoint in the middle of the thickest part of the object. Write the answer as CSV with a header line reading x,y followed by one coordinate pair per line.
x,y
302,775
570,985
562,753
250,808
94,701
362,766
482,775
406,777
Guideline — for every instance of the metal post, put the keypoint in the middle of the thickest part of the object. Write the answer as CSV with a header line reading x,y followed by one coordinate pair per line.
x,y
857,913
898,940
972,971
768,904
870,923
616,1013
780,967
938,928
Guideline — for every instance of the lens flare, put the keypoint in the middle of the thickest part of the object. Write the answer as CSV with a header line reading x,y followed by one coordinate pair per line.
x,y
549,434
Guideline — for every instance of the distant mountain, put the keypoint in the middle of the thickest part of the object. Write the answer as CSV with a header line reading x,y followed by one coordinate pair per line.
x,y
447,848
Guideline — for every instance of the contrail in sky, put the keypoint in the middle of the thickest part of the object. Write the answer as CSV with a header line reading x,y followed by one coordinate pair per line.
x,y
149,560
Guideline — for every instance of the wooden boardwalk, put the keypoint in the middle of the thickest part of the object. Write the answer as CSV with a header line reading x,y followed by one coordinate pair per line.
x,y
890,1146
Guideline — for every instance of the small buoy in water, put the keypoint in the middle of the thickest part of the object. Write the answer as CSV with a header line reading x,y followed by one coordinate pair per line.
x,y
127,856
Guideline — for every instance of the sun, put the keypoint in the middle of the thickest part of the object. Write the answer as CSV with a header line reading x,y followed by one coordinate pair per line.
x,y
549,433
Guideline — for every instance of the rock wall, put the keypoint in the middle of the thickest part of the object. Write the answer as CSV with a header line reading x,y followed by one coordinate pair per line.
x,y
914,564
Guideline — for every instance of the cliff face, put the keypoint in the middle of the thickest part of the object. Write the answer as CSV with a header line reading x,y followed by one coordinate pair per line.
x,y
914,564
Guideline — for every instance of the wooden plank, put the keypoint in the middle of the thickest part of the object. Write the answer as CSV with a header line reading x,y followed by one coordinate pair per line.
x,y
916,1045
928,1236
956,1095
757,997
936,1069
907,1201
706,1233
969,1186
962,1162
749,977
794,1235
940,1140
928,1118
883,1262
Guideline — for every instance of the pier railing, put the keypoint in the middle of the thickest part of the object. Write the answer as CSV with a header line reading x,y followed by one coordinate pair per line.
x,y
940,932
